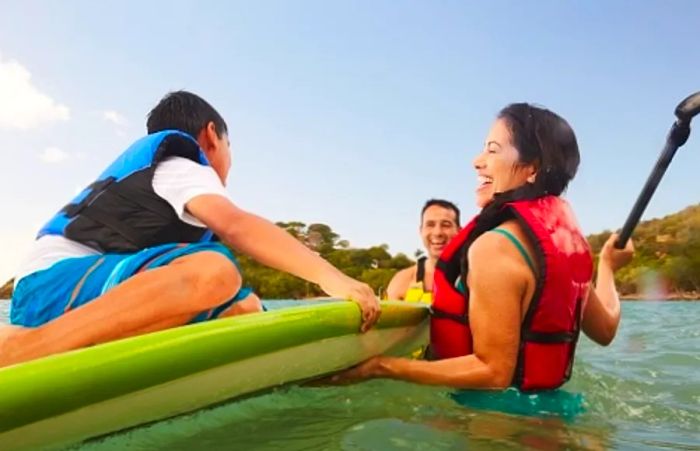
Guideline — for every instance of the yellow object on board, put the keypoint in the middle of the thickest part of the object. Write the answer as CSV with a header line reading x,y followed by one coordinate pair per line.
x,y
415,293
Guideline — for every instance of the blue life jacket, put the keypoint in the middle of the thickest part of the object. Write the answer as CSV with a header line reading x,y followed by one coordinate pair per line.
x,y
120,211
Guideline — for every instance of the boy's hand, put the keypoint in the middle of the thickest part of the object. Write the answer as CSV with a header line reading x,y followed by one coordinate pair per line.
x,y
345,287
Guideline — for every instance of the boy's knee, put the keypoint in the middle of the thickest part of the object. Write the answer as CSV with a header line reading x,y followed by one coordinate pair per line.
x,y
213,276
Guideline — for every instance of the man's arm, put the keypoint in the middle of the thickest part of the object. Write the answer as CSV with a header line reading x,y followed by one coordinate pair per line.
x,y
274,247
399,284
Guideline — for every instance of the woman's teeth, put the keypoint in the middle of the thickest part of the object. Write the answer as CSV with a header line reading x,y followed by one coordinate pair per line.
x,y
484,180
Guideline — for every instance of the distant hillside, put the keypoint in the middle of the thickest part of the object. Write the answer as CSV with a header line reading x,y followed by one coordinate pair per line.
x,y
667,259
373,265
666,262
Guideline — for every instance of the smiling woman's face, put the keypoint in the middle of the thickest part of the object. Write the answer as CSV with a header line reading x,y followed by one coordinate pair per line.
x,y
497,166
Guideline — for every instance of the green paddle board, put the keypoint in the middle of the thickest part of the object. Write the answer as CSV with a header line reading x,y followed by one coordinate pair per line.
x,y
68,398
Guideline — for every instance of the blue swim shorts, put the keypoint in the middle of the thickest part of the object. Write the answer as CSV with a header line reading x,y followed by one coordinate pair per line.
x,y
47,294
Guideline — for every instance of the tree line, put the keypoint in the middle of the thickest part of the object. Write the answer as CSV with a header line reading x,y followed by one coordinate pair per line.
x,y
666,262
374,265
667,257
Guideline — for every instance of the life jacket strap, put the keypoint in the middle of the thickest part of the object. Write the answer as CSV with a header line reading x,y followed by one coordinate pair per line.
x,y
441,314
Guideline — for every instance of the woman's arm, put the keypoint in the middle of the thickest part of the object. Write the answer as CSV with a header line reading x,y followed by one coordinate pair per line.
x,y
601,316
498,283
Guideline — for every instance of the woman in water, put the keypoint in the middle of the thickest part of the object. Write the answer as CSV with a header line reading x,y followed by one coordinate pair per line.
x,y
514,288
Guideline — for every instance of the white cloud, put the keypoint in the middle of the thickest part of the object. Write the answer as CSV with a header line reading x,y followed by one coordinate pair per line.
x,y
115,118
22,105
52,155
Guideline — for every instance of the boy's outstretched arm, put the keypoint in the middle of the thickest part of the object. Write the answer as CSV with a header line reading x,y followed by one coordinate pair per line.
x,y
274,247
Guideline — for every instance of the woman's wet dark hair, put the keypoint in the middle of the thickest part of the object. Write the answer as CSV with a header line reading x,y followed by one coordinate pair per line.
x,y
544,139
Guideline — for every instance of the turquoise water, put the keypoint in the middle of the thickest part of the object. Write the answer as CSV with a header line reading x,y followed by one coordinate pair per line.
x,y
642,392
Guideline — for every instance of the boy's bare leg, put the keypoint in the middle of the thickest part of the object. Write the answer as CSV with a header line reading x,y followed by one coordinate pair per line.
x,y
176,292
251,304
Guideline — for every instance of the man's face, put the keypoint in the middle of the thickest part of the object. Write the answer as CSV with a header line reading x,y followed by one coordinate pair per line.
x,y
438,227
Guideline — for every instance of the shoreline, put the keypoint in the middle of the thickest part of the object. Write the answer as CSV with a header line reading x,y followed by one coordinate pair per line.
x,y
684,296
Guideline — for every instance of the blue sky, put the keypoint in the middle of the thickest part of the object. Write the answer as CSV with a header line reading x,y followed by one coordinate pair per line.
x,y
350,113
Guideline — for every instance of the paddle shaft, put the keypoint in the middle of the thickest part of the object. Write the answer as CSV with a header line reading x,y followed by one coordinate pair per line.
x,y
676,137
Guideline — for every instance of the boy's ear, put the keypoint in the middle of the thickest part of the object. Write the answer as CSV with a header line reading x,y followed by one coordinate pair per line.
x,y
212,133
207,137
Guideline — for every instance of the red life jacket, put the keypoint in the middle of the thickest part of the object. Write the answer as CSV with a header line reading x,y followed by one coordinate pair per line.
x,y
551,326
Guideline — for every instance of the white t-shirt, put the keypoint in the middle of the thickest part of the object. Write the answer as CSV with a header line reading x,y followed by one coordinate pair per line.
x,y
177,180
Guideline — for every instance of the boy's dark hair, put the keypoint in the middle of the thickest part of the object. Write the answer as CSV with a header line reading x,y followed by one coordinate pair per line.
x,y
440,203
184,111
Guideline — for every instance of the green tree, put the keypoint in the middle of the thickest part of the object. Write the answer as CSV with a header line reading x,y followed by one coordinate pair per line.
x,y
6,289
667,254
374,265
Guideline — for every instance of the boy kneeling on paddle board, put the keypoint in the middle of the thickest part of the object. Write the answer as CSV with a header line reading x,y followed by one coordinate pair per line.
x,y
134,252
